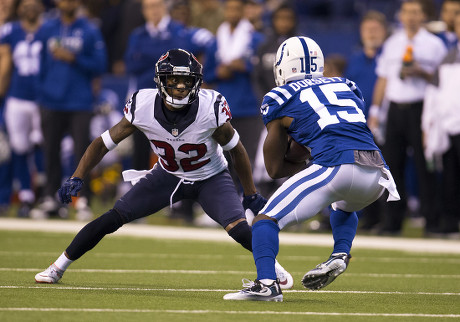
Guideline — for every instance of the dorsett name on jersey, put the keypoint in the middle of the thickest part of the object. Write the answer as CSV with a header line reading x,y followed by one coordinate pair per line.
x,y
315,81
284,93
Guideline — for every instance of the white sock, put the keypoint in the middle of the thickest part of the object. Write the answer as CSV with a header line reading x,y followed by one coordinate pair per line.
x,y
267,281
63,262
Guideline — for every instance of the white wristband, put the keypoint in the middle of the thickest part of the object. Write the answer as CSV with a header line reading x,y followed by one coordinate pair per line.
x,y
232,143
108,142
374,110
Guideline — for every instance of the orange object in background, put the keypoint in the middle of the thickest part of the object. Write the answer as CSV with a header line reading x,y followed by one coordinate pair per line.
x,y
408,58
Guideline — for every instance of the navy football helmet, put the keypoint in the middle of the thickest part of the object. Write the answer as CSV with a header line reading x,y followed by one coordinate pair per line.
x,y
178,62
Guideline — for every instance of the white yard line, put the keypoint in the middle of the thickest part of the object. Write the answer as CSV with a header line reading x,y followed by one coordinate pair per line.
x,y
259,313
418,259
213,272
207,234
138,289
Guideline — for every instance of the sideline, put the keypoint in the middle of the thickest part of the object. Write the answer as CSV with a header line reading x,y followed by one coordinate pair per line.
x,y
419,245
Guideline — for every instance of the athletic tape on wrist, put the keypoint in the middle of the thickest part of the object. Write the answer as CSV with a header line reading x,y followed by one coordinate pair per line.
x,y
232,143
108,142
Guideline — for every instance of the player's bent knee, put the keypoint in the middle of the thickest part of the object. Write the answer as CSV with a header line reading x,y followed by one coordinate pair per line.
x,y
109,222
242,234
233,224
263,217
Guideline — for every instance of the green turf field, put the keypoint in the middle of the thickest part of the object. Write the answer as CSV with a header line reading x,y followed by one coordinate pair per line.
x,y
140,279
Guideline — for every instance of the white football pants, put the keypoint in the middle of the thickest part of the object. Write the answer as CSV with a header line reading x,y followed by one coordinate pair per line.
x,y
349,187
22,120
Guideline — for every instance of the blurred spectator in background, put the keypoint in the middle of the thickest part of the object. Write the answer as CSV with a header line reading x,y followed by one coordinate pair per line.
x,y
361,68
6,14
404,86
449,10
229,66
73,54
208,14
254,12
5,167
441,123
149,41
283,26
361,65
106,180
116,19
200,38
334,65
20,50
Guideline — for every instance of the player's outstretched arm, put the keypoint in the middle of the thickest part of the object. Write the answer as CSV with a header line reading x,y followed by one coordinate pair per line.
x,y
97,149
275,147
224,135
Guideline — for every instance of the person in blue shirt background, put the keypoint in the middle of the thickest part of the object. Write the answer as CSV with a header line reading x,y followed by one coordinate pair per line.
x,y
361,69
361,65
449,9
73,55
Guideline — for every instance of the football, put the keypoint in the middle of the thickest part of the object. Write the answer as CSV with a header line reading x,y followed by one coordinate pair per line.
x,y
296,152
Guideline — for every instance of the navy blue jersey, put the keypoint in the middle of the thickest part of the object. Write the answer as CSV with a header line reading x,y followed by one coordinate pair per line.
x,y
25,51
328,117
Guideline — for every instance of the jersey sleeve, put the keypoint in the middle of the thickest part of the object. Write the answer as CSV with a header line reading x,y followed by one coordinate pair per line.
x,y
222,110
271,105
355,89
130,108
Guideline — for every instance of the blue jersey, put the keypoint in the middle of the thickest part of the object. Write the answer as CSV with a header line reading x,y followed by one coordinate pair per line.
x,y
25,51
328,117
143,51
68,86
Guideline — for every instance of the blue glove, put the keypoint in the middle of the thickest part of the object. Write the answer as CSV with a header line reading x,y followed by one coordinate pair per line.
x,y
70,188
254,202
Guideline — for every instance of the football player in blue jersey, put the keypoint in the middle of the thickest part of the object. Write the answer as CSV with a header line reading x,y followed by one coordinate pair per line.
x,y
346,170
20,50
188,128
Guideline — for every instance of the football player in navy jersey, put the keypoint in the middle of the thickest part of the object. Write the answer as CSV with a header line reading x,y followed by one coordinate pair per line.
x,y
189,129
346,170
